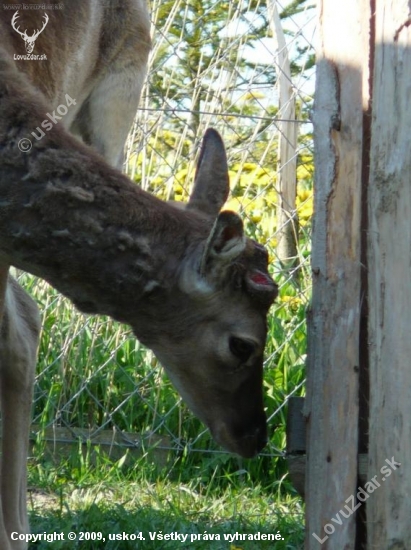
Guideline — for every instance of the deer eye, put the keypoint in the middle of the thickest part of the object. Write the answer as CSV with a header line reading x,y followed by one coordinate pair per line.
x,y
240,348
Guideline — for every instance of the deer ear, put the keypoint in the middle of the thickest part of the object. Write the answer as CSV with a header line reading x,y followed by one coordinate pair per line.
x,y
211,184
225,243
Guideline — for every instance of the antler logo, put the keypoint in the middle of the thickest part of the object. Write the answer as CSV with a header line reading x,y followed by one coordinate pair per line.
x,y
29,40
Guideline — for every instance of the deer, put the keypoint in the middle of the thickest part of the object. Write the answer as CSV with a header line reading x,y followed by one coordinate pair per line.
x,y
192,286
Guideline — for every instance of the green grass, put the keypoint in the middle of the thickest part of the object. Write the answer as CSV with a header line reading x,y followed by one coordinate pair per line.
x,y
82,498
98,512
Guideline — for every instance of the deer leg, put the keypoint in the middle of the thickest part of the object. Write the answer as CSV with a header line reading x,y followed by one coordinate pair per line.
x,y
18,346
4,537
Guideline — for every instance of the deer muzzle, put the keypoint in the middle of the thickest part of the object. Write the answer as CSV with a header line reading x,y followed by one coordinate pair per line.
x,y
246,441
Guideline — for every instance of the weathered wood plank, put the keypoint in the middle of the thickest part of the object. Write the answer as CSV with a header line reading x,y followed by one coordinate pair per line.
x,y
297,465
287,219
389,245
296,443
333,362
295,429
62,442
297,449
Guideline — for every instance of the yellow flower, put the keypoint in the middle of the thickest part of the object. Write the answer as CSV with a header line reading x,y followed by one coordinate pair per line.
x,y
305,209
256,216
304,194
233,204
292,301
304,172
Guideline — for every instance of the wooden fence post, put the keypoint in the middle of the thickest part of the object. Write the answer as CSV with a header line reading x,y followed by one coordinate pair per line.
x,y
333,356
389,254
287,218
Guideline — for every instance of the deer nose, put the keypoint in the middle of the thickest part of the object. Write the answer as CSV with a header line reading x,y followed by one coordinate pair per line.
x,y
245,438
252,442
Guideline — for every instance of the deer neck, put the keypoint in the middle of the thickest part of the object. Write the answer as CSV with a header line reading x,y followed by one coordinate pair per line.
x,y
70,219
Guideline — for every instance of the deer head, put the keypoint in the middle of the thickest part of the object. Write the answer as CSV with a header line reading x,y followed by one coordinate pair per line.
x,y
29,40
193,288
209,329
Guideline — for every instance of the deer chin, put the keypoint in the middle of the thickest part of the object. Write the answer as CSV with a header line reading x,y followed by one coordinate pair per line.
x,y
247,446
237,430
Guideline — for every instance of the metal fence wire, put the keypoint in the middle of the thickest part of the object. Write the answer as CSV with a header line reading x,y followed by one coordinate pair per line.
x,y
247,69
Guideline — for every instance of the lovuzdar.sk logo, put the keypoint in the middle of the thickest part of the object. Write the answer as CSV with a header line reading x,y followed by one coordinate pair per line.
x,y
29,40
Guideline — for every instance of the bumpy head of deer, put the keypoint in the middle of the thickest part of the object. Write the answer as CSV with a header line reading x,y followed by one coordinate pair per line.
x,y
210,327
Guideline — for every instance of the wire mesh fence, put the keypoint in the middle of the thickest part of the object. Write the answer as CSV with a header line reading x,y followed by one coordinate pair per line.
x,y
214,63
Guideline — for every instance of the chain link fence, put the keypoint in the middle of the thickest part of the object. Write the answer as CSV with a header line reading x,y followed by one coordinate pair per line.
x,y
222,64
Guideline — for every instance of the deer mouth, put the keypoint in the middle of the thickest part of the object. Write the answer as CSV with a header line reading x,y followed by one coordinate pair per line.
x,y
247,445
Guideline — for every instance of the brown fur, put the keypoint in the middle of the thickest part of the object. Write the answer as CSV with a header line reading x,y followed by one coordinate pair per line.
x,y
192,287
97,54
